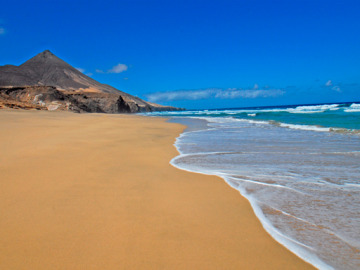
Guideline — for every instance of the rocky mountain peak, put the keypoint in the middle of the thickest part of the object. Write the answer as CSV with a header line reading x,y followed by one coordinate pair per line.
x,y
45,54
45,59
47,75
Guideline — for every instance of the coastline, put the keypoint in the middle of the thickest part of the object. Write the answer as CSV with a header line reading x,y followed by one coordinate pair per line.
x,y
195,125
96,191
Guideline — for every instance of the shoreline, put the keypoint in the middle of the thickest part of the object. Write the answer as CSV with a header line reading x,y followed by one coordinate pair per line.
x,y
96,191
199,124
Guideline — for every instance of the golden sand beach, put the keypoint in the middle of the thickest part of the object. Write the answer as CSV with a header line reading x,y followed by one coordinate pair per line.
x,y
96,191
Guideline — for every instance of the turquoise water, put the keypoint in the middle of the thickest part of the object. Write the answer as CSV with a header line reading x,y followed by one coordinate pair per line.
x,y
336,116
299,167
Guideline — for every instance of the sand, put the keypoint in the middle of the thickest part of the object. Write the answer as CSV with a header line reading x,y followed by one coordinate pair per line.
x,y
96,191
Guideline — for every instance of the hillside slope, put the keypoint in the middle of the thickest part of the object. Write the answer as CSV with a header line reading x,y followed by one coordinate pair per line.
x,y
46,80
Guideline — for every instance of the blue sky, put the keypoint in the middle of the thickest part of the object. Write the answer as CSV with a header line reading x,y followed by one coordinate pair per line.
x,y
198,54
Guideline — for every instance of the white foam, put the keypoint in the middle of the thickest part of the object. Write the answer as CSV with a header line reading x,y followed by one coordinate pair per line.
x,y
266,184
313,108
353,185
353,108
222,120
306,127
309,109
294,246
297,218
305,111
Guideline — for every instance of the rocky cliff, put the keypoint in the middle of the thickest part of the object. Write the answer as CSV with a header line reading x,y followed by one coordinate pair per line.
x,y
46,82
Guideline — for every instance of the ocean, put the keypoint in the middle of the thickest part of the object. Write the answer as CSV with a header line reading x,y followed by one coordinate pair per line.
x,y
299,167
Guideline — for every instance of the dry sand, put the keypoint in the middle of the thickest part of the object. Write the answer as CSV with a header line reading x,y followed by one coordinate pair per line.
x,y
96,191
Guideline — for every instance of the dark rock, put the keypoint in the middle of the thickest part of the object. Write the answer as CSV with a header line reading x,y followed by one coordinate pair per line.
x,y
47,82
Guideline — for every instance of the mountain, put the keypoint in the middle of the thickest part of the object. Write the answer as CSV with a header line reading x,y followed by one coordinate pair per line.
x,y
47,82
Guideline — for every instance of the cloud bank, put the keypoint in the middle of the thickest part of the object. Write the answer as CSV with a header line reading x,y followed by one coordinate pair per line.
x,y
230,93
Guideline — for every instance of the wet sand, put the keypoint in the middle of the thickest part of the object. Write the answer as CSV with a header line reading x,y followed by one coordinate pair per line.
x,y
96,191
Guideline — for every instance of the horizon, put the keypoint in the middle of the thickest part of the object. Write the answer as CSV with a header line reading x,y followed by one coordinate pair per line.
x,y
198,54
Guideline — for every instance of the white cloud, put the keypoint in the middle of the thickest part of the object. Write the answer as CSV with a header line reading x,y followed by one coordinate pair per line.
x,y
249,93
115,69
336,88
81,70
328,83
183,94
2,30
118,68
230,93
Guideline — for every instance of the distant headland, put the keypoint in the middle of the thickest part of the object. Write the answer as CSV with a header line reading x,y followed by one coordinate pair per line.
x,y
45,82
